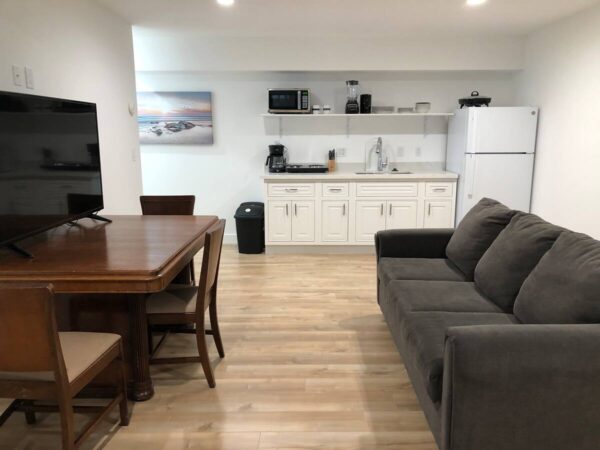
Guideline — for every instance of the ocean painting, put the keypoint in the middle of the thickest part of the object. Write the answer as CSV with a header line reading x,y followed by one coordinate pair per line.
x,y
175,118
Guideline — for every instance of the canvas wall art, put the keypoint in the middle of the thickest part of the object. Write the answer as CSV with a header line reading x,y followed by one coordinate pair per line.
x,y
175,118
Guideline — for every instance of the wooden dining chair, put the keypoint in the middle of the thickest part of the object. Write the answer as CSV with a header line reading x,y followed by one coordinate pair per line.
x,y
172,205
37,363
186,305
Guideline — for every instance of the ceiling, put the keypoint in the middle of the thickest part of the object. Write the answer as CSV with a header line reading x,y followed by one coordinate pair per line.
x,y
371,18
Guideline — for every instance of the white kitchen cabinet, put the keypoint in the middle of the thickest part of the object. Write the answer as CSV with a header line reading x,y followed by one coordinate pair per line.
x,y
280,221
370,218
438,214
402,214
303,221
334,221
331,210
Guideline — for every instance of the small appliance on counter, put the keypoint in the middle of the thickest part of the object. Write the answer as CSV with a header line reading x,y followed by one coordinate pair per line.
x,y
352,90
365,104
306,168
289,101
475,100
277,159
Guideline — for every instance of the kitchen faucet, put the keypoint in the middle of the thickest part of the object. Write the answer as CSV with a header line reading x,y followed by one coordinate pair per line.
x,y
381,165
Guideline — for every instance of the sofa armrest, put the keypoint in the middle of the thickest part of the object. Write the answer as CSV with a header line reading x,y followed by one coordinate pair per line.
x,y
521,387
413,243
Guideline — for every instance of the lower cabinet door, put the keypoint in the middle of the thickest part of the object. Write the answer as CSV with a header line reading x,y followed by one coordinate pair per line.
x,y
401,214
303,221
438,214
334,221
370,218
280,221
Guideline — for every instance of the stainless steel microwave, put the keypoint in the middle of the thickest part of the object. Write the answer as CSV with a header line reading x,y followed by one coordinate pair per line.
x,y
289,101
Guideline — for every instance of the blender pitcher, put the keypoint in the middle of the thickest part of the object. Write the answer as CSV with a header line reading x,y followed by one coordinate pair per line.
x,y
352,89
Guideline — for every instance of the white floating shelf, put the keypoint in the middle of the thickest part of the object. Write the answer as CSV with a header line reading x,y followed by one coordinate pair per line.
x,y
362,115
424,116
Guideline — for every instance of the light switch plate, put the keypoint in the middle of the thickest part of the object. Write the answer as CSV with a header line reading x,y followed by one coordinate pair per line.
x,y
17,73
29,78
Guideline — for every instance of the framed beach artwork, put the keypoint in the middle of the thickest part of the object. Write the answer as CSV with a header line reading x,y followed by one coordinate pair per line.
x,y
175,118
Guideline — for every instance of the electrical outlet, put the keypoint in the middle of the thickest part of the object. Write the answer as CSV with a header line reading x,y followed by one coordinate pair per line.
x,y
17,73
340,151
400,151
418,152
29,78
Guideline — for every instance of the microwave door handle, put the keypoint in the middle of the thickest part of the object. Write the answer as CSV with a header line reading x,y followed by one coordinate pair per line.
x,y
299,104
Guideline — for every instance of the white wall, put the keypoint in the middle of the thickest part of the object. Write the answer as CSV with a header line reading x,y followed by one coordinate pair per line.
x,y
79,50
562,76
228,173
157,50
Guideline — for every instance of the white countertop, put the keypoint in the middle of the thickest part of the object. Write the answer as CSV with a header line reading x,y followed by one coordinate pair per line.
x,y
353,176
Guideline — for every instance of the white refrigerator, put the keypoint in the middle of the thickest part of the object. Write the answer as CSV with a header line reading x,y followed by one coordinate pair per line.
x,y
492,150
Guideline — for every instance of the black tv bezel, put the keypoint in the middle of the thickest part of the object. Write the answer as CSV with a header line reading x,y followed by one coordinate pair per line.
x,y
75,216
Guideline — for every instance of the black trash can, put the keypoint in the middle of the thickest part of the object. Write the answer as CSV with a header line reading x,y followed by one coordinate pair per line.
x,y
250,227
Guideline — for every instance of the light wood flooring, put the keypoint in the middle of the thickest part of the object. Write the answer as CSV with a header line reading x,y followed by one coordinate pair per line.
x,y
309,364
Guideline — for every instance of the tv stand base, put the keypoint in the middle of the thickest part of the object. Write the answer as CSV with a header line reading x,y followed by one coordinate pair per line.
x,y
100,218
21,251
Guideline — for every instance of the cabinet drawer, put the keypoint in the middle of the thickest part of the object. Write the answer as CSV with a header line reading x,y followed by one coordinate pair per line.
x,y
291,190
335,189
438,189
385,189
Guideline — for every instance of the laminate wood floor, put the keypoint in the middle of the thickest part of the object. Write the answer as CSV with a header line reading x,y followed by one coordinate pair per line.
x,y
309,364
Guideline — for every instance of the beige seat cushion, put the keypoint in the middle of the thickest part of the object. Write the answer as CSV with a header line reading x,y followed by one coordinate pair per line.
x,y
80,351
177,300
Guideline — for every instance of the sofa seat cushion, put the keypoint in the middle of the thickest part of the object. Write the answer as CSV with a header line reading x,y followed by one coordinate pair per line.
x,y
390,269
448,296
512,256
564,288
475,233
424,336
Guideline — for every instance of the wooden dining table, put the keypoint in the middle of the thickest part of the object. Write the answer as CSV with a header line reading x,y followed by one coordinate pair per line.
x,y
102,274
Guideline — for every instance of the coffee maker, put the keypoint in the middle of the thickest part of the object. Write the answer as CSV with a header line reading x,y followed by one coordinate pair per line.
x,y
277,159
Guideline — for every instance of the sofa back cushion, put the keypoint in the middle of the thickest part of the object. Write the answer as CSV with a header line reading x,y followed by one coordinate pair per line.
x,y
475,233
564,287
510,259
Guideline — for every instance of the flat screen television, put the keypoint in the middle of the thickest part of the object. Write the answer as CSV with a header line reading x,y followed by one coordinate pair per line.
x,y
49,164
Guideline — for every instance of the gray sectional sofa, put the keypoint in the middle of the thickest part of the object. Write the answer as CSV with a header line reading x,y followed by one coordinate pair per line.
x,y
498,325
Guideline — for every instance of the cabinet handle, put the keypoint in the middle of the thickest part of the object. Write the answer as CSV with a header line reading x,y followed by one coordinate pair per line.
x,y
287,212
344,209
390,210
335,189
296,210
439,190
429,210
291,189
381,209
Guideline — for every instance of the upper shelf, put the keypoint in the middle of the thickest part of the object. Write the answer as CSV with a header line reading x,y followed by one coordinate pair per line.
x,y
429,114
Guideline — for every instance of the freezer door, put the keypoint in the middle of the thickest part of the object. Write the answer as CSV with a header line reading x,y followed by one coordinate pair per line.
x,y
502,130
506,178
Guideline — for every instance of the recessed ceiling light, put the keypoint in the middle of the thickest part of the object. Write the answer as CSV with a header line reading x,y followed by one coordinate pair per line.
x,y
475,2
225,2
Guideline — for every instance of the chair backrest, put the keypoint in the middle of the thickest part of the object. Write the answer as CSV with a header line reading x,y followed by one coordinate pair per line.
x,y
167,205
28,334
211,259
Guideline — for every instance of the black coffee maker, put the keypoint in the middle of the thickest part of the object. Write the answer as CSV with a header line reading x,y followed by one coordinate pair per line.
x,y
277,159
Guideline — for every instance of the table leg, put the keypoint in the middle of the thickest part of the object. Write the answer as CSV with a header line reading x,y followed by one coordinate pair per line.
x,y
143,388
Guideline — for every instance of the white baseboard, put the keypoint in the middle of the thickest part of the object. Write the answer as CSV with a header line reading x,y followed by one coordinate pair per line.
x,y
321,249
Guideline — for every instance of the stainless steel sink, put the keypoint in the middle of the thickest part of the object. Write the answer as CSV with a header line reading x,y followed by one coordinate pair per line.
x,y
383,173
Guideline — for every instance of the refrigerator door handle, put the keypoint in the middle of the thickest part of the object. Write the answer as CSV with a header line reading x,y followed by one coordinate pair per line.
x,y
472,180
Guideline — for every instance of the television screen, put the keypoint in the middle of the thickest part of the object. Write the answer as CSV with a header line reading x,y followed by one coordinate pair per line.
x,y
49,163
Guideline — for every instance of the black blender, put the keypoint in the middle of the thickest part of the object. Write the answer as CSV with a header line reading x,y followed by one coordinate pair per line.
x,y
352,89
